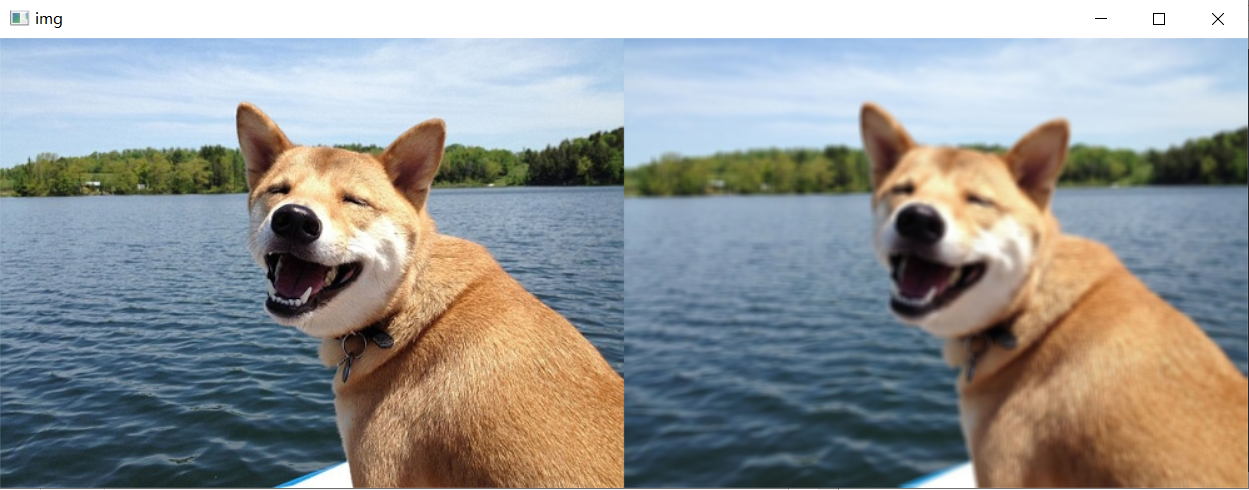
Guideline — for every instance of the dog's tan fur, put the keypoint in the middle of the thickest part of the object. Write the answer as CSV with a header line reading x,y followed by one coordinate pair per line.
x,y
485,385
1109,385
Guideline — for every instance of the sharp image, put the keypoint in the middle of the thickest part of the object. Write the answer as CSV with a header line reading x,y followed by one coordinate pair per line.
x,y
874,263
236,263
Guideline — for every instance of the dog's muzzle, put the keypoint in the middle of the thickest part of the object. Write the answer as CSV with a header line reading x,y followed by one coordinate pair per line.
x,y
921,283
298,285
296,223
921,224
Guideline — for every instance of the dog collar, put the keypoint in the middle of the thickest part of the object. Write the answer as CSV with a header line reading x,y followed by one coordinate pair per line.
x,y
978,344
373,333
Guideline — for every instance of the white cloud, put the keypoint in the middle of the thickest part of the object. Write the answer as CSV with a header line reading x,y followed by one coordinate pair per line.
x,y
506,93
1134,93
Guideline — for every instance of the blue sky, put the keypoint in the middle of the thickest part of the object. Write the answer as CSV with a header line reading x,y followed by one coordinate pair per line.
x,y
74,97
697,97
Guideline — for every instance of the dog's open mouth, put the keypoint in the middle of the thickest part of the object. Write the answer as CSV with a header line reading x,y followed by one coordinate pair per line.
x,y
297,286
921,287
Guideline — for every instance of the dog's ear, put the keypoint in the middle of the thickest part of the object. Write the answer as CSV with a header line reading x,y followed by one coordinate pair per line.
x,y
1037,160
884,140
413,159
260,140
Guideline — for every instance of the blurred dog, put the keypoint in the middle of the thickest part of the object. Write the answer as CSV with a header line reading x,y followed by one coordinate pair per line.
x,y
1074,373
451,373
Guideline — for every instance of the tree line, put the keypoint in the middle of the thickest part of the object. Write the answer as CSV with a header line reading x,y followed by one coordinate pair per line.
x,y
1218,159
594,160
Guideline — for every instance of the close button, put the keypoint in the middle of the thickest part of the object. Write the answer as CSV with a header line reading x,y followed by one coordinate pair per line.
x,y
1218,19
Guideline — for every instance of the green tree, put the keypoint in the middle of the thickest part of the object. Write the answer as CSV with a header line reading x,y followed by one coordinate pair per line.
x,y
160,175
124,180
597,159
1218,159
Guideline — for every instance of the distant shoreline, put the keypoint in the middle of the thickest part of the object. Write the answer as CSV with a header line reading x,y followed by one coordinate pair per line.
x,y
847,193
446,186
597,159
1219,159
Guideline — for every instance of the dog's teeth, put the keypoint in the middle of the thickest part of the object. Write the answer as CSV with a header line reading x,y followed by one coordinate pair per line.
x,y
955,276
304,299
925,301
932,293
330,275
902,267
272,290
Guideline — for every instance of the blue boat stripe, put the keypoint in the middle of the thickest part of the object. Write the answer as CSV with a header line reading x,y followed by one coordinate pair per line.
x,y
308,476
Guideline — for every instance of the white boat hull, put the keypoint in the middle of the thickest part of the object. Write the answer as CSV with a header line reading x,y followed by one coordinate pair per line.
x,y
337,476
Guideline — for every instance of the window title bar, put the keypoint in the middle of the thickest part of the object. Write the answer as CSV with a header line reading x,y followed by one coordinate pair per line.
x,y
637,18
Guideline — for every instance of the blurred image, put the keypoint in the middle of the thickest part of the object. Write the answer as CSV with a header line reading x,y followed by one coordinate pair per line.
x,y
762,351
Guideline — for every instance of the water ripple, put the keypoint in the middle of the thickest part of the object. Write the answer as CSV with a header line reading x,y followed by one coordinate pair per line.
x,y
136,352
761,352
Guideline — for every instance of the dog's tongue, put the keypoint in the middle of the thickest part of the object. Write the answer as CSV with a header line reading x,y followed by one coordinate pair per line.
x,y
917,277
295,276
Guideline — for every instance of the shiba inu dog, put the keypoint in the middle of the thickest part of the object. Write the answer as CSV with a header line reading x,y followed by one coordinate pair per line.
x,y
1074,373
450,373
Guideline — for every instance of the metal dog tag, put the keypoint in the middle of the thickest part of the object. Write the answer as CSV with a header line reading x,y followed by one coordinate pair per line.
x,y
346,364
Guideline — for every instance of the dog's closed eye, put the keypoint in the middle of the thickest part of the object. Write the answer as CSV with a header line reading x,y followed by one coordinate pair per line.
x,y
282,188
358,201
979,200
904,189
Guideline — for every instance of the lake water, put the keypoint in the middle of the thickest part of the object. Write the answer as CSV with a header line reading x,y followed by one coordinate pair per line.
x,y
135,352
761,352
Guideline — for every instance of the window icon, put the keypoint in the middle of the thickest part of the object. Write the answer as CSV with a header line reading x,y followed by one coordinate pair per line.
x,y
19,17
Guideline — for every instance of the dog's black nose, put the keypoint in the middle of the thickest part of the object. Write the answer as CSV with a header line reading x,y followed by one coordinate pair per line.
x,y
296,223
921,223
